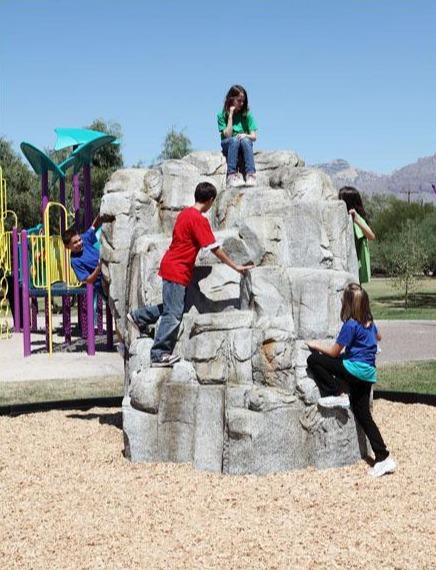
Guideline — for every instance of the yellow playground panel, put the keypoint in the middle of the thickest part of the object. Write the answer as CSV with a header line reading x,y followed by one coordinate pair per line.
x,y
49,260
5,258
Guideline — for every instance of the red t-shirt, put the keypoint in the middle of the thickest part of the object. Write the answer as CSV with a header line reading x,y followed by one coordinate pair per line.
x,y
191,232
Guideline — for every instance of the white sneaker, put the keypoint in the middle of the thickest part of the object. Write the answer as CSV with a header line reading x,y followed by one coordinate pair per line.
x,y
380,468
234,181
166,360
251,180
342,401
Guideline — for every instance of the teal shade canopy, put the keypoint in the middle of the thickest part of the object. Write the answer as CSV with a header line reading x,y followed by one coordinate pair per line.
x,y
83,153
40,162
74,137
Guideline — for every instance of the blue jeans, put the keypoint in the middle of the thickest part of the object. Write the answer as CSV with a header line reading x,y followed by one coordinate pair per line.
x,y
170,313
234,149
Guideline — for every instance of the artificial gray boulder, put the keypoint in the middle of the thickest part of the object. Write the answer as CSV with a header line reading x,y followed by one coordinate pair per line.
x,y
240,400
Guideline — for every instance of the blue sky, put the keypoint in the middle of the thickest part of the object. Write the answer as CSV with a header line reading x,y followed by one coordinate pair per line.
x,y
351,79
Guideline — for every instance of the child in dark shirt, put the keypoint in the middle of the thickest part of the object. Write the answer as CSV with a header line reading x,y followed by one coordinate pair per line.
x,y
191,233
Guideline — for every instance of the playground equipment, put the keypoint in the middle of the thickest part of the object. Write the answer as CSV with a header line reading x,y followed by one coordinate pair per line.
x,y
40,263
5,259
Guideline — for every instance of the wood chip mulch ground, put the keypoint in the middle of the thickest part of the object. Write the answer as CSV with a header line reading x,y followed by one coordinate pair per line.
x,y
69,500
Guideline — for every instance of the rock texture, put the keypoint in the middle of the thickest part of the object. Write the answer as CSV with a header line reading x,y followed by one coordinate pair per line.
x,y
240,401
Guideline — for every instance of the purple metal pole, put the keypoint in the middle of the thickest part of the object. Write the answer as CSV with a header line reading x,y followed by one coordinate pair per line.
x,y
44,192
76,200
109,328
99,314
83,318
16,280
62,201
90,318
66,314
25,275
34,317
47,324
87,193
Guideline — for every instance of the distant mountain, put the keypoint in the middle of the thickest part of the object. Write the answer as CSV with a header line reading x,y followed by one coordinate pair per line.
x,y
415,179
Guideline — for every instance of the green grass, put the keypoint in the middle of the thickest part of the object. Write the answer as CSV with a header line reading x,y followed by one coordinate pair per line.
x,y
388,303
417,377
30,392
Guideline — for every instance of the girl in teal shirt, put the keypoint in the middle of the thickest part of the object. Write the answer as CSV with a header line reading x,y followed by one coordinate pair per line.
x,y
356,368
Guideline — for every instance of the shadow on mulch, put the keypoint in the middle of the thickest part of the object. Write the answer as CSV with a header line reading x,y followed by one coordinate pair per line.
x,y
77,345
115,419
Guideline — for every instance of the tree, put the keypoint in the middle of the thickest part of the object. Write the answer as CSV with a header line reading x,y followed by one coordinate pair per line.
x,y
105,161
427,229
23,188
175,145
387,216
393,217
405,258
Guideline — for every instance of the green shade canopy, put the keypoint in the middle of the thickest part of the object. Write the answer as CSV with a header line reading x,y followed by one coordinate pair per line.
x,y
86,151
83,153
40,162
71,161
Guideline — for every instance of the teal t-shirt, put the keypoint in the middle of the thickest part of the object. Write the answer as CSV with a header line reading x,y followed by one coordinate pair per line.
x,y
241,123
361,370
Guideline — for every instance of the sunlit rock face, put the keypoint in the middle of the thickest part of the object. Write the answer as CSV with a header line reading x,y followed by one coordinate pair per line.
x,y
240,400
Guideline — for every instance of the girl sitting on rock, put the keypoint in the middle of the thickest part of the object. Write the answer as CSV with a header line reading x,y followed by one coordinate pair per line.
x,y
362,232
359,336
238,128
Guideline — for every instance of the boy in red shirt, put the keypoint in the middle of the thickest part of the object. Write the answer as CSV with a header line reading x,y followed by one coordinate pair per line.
x,y
191,233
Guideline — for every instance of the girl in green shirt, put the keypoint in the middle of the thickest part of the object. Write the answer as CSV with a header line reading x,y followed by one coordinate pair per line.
x,y
362,232
238,128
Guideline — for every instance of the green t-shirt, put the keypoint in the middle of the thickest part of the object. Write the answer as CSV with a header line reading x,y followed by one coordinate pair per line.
x,y
241,123
362,250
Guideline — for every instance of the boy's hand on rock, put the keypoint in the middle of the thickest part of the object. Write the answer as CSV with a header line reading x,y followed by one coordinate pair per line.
x,y
244,268
352,213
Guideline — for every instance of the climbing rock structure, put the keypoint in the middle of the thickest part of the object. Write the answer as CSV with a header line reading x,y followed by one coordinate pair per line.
x,y
240,400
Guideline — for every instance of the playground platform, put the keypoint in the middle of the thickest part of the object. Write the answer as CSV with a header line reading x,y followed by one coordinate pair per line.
x,y
66,363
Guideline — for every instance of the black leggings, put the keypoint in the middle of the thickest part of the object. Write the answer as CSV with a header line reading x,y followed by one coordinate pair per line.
x,y
327,372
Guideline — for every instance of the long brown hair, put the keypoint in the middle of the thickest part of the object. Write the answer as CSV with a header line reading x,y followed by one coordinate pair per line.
x,y
233,92
355,304
352,198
